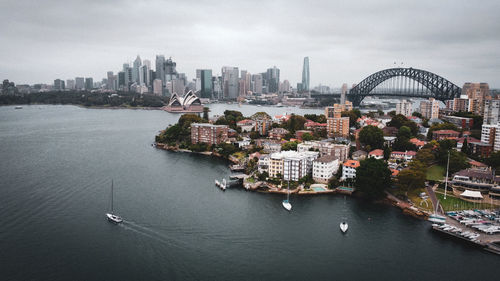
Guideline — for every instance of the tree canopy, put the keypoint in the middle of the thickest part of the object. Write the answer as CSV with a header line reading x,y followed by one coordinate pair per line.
x,y
372,136
372,177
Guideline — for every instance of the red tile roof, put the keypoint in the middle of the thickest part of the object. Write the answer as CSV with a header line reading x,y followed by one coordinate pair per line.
x,y
377,152
351,163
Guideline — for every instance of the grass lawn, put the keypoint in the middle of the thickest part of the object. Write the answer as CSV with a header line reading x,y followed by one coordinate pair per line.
x,y
453,203
423,204
240,155
436,173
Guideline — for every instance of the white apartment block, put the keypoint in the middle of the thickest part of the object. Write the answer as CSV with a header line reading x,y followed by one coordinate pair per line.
x,y
349,169
291,165
429,109
341,151
324,168
404,107
491,112
491,134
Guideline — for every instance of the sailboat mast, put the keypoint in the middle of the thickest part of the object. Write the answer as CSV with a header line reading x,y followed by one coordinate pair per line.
x,y
446,179
288,192
111,196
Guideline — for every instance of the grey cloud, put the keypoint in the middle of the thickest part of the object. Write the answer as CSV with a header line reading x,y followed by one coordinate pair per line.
x,y
345,40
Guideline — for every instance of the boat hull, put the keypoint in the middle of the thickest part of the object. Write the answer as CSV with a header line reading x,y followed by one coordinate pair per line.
x,y
343,227
287,205
114,218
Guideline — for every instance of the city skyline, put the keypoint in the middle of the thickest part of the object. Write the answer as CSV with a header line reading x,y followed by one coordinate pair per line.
x,y
86,38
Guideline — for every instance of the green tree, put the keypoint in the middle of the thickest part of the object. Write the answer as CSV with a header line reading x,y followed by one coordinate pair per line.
x,y
400,120
443,126
319,118
307,137
417,114
494,160
371,136
372,177
465,147
295,123
353,116
412,177
425,156
387,152
291,145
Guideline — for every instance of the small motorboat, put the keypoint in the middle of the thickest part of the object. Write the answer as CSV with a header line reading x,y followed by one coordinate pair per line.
x,y
286,204
114,218
344,226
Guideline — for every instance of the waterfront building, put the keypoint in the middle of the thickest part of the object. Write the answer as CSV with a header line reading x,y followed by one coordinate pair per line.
x,y
482,182
491,112
304,86
187,103
230,82
349,169
404,107
79,83
477,93
324,168
429,108
263,165
58,85
208,133
445,134
89,83
291,165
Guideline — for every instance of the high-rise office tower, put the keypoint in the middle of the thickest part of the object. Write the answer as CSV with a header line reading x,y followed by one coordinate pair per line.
x,y
305,75
160,69
70,84
80,83
343,93
58,85
110,82
258,83
230,82
135,69
285,86
121,80
205,78
217,83
273,79
89,83
170,71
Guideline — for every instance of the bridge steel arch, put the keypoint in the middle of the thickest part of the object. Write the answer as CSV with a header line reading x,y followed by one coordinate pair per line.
x,y
440,88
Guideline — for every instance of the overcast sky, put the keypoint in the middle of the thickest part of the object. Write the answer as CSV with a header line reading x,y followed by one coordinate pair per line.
x,y
41,40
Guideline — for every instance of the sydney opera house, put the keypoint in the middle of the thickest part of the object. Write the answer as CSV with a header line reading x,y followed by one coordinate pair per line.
x,y
187,103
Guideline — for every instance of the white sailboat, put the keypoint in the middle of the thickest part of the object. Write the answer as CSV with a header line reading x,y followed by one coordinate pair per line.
x,y
111,216
286,203
343,225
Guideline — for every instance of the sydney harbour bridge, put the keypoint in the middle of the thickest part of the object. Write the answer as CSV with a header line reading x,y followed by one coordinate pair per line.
x,y
402,82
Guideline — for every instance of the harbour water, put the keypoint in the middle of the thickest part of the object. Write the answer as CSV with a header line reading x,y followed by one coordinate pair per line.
x,y
56,167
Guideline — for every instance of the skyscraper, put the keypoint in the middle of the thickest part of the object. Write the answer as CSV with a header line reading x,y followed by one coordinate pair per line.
x,y
230,82
258,83
58,85
305,75
79,83
206,88
110,81
343,93
273,79
89,83
170,71
135,70
160,69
